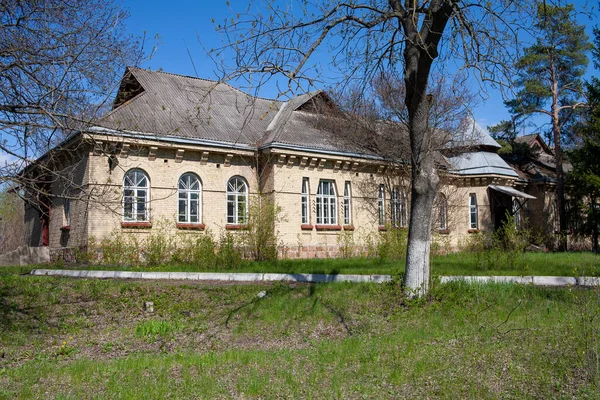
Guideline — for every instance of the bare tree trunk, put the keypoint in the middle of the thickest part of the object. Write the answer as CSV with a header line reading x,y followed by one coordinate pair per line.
x,y
560,176
419,54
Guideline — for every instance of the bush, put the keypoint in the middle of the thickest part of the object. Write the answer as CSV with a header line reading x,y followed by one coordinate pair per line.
x,y
260,237
230,254
392,244
197,250
159,245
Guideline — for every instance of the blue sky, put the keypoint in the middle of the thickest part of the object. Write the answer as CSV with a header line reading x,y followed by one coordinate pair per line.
x,y
180,23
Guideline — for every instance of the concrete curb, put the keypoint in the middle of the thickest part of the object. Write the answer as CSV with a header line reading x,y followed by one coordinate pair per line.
x,y
213,276
311,278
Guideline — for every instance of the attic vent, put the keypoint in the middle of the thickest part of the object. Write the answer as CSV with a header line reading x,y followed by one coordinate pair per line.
x,y
130,87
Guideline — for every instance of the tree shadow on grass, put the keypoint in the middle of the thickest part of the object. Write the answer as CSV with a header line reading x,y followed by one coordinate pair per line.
x,y
281,290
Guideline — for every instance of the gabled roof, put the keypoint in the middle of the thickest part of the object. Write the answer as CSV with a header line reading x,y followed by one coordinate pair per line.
x,y
166,104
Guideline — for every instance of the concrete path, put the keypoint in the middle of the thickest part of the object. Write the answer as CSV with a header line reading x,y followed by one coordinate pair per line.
x,y
311,278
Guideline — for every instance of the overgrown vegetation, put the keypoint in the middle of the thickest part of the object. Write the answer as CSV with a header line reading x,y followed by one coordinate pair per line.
x,y
502,249
490,341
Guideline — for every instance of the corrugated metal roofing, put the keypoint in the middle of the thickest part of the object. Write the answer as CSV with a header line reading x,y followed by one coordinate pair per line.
x,y
472,134
480,163
175,105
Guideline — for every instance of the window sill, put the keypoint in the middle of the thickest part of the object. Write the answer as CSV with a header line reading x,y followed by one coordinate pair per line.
x,y
236,227
190,226
443,231
328,227
348,227
66,228
133,224
473,231
382,228
306,227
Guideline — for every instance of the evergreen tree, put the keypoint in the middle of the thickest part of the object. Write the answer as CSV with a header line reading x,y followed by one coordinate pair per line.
x,y
585,177
550,81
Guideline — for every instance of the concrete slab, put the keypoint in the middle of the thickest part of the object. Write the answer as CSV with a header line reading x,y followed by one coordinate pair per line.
x,y
554,281
588,281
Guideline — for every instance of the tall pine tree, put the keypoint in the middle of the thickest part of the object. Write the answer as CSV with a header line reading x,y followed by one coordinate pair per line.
x,y
584,179
550,81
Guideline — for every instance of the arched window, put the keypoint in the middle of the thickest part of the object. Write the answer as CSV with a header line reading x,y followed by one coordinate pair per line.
x,y
190,199
237,200
136,196
326,203
442,212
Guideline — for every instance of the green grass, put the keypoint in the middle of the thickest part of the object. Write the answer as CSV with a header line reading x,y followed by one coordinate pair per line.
x,y
558,264
77,338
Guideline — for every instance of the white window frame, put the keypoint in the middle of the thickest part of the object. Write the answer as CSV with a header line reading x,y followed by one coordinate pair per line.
x,y
347,203
326,203
399,208
473,212
237,197
185,194
305,202
516,208
381,204
66,211
132,183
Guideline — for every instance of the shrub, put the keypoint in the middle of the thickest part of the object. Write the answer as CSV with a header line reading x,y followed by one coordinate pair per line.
x,y
229,254
160,244
392,244
346,244
120,249
197,250
260,237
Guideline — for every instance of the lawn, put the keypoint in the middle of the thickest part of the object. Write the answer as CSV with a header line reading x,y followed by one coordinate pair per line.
x,y
76,338
490,263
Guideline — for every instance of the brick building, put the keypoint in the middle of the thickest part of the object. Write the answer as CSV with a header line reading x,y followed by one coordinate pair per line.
x,y
195,152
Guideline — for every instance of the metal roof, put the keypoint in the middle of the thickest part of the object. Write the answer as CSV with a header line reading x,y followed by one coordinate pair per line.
x,y
182,106
511,191
480,163
471,134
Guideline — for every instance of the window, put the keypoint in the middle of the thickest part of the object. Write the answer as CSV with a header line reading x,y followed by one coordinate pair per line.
x,y
399,209
473,218
442,212
347,204
136,191
67,212
326,203
381,205
237,201
516,211
190,199
305,202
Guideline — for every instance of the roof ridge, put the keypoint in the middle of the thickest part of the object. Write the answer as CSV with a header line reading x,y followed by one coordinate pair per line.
x,y
206,80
